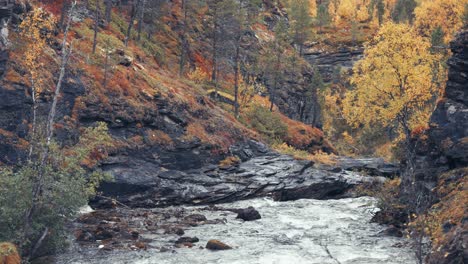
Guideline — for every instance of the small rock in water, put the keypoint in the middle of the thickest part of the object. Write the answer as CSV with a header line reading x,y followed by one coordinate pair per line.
x,y
214,244
392,231
248,214
183,240
195,218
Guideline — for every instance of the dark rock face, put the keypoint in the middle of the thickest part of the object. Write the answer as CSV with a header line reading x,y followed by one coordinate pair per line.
x,y
16,108
271,174
248,214
329,62
446,146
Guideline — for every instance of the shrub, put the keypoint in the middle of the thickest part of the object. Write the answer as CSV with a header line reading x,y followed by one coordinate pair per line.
x,y
229,161
38,198
9,254
266,122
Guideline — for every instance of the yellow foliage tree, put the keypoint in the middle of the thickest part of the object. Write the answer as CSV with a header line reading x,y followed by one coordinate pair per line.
x,y
346,11
35,30
446,14
313,8
394,83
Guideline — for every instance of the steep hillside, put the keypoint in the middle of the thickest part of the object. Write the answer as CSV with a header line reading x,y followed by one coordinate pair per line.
x,y
158,118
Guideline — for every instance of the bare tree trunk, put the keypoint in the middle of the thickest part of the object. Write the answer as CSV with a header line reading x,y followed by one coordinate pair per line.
x,y
236,80
215,45
34,121
63,14
38,243
183,40
106,66
135,8
141,15
65,56
275,84
108,11
96,26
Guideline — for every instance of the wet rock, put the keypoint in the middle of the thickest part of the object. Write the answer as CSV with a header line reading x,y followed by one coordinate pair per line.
x,y
396,218
195,218
214,244
271,174
174,230
103,233
248,214
141,245
84,236
183,240
370,166
392,231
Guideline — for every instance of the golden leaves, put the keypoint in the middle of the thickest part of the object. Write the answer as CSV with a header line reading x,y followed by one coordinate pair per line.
x,y
444,13
35,30
394,82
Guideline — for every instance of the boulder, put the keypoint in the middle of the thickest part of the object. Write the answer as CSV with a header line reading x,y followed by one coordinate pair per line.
x,y
126,61
214,244
248,214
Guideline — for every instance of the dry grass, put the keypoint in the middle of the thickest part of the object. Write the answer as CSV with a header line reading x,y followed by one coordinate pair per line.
x,y
229,161
319,157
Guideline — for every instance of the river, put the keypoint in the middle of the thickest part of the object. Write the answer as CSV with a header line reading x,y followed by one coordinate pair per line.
x,y
295,232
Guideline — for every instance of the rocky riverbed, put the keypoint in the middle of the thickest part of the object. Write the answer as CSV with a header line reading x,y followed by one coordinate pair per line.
x,y
302,231
270,208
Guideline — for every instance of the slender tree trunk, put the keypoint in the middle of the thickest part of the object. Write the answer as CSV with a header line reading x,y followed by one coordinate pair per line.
x,y
96,26
275,84
108,11
63,13
273,94
34,120
141,15
236,80
183,40
215,45
182,55
135,8
106,68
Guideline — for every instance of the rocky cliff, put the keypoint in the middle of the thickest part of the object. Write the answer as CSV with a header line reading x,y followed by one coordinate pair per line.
x,y
442,158
331,63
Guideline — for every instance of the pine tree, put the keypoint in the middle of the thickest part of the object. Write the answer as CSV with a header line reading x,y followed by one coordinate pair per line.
x,y
323,16
301,22
437,37
404,11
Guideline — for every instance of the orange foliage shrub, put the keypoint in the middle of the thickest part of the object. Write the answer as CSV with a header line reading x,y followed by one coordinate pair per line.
x,y
301,135
451,209
419,130
9,254
196,130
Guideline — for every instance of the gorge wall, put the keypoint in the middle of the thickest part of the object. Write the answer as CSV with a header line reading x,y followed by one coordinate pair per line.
x,y
442,158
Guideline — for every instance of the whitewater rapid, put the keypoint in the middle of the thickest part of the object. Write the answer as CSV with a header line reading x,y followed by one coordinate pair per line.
x,y
296,232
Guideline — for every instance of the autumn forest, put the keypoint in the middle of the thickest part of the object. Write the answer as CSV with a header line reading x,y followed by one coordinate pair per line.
x,y
254,131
